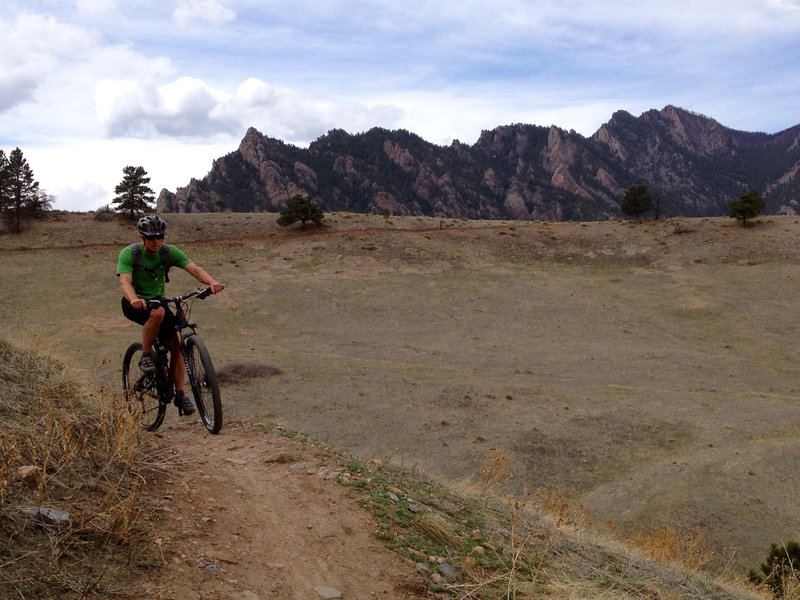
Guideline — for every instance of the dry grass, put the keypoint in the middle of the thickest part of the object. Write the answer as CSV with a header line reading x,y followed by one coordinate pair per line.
x,y
71,485
622,363
545,547
668,546
552,549
494,471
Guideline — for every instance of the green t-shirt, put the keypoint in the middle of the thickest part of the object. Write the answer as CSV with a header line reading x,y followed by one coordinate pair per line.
x,y
149,284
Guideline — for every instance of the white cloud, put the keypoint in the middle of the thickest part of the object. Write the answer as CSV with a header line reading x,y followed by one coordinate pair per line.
x,y
96,6
190,12
105,79
83,175
185,108
16,87
790,5
47,75
89,195
33,47
189,108
300,118
441,116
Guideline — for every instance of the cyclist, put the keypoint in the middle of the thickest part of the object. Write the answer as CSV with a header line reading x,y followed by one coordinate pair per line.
x,y
142,273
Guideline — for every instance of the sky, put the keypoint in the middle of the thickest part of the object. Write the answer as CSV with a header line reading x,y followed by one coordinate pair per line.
x,y
88,87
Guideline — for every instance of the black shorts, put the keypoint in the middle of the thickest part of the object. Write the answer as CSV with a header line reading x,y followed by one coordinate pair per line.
x,y
140,316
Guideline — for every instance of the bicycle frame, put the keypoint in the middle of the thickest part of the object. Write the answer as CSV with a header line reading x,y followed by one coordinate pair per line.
x,y
197,363
181,323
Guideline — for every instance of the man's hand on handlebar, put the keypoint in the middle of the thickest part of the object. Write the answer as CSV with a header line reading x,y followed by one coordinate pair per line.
x,y
213,288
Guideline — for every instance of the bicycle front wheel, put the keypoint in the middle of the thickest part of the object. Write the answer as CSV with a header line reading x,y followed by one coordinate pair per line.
x,y
203,380
141,390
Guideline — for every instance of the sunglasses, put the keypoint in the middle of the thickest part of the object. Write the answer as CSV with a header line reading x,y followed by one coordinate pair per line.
x,y
154,237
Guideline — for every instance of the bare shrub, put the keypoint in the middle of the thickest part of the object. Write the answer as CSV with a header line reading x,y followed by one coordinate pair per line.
x,y
494,471
679,228
104,214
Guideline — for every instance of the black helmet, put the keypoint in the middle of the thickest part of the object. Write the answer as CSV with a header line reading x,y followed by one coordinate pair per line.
x,y
152,226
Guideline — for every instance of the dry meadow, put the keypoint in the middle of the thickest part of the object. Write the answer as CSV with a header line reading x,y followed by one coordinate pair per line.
x,y
645,371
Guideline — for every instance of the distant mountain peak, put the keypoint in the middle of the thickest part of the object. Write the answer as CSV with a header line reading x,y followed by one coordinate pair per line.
x,y
695,165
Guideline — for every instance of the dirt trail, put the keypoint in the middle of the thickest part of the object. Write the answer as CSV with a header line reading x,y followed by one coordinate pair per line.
x,y
253,514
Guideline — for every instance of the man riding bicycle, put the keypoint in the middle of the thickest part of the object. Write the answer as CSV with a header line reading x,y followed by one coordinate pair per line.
x,y
142,270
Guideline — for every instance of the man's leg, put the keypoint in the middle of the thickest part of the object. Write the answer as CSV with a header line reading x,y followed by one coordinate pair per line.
x,y
150,329
177,368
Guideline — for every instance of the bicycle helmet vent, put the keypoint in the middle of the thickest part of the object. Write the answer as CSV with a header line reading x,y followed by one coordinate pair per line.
x,y
152,225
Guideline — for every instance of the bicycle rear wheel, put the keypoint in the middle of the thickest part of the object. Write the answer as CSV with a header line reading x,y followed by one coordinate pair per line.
x,y
141,390
203,380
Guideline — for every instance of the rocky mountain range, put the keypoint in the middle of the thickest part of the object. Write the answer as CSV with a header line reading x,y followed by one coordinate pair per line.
x,y
692,165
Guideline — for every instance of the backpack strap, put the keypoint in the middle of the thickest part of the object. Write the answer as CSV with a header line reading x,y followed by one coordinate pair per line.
x,y
165,260
136,251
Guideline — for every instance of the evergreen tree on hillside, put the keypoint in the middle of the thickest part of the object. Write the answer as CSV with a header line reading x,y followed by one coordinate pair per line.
x,y
300,208
5,190
636,201
133,194
748,206
20,196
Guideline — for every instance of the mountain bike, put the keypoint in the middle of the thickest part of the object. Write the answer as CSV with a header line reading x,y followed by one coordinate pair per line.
x,y
148,395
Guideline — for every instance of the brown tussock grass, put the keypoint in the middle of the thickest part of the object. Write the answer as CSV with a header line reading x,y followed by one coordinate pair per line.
x,y
92,465
548,546
669,546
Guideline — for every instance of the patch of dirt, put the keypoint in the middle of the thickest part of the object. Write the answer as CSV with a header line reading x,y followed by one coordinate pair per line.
x,y
239,370
253,514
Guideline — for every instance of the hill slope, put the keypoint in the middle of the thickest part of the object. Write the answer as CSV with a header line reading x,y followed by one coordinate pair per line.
x,y
644,372
255,513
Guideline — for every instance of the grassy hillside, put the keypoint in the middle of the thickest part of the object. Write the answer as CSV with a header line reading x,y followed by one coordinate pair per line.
x,y
73,477
88,509
645,372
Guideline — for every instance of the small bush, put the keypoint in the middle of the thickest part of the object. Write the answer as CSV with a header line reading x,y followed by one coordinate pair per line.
x,y
104,214
781,570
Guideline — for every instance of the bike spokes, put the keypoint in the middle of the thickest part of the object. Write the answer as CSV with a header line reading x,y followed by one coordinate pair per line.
x,y
141,390
148,395
203,380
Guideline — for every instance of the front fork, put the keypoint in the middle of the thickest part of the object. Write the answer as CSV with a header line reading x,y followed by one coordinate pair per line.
x,y
182,337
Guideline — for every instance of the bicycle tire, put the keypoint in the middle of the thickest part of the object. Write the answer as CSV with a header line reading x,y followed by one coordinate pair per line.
x,y
203,380
141,391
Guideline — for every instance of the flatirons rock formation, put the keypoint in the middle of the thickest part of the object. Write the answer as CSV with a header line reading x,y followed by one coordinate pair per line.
x,y
692,165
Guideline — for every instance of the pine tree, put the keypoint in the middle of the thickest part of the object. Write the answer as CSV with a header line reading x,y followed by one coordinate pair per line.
x,y
300,208
5,190
780,569
636,201
133,194
19,191
748,206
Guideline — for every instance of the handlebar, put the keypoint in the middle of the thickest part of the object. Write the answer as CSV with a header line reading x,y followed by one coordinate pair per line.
x,y
200,293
